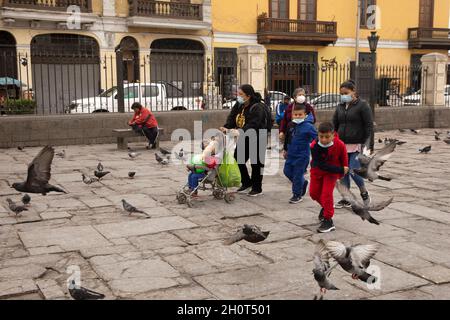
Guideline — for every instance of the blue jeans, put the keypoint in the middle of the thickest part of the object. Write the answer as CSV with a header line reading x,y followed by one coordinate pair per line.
x,y
295,172
194,178
353,163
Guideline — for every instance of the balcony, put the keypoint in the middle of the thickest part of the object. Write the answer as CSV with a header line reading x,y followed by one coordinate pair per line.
x,y
49,5
300,32
164,14
429,38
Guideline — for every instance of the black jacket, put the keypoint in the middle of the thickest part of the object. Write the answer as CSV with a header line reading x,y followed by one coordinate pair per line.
x,y
355,124
255,116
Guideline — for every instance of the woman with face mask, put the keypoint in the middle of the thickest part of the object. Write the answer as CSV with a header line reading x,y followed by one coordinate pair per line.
x,y
249,115
353,122
300,98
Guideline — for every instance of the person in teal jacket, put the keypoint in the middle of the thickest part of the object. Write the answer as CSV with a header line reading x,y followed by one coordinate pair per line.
x,y
300,133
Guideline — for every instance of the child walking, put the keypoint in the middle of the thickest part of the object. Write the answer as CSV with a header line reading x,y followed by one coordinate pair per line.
x,y
300,133
329,164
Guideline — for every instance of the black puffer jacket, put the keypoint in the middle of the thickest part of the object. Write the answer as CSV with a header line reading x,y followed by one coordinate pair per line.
x,y
255,116
355,124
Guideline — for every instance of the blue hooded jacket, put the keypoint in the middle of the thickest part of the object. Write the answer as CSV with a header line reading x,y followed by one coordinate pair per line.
x,y
298,140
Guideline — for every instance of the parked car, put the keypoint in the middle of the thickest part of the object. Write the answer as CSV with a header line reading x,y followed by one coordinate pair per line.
x,y
415,99
275,98
160,96
326,101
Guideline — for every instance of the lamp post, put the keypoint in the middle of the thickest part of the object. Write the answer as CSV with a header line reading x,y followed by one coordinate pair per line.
x,y
373,43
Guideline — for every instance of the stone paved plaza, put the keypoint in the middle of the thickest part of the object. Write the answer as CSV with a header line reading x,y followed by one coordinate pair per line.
x,y
178,253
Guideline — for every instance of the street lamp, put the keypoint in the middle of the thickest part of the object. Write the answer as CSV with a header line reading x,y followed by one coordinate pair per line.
x,y
373,44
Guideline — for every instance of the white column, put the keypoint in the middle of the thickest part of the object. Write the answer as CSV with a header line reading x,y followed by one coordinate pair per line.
x,y
434,79
109,8
252,66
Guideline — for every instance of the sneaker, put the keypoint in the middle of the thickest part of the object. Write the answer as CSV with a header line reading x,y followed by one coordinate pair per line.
x,y
342,204
296,199
243,189
321,216
254,193
366,198
305,187
326,226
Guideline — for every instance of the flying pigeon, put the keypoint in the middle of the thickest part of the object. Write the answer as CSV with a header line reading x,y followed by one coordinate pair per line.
x,y
39,174
80,293
425,150
354,259
322,270
61,154
414,131
88,180
371,165
101,174
20,148
100,167
15,208
131,174
131,209
133,155
161,160
250,233
363,211
26,199
164,151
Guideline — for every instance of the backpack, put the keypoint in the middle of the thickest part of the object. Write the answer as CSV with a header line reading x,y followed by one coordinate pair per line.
x,y
268,118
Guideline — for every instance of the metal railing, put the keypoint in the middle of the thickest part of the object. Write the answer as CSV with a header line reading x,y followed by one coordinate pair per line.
x,y
52,5
177,10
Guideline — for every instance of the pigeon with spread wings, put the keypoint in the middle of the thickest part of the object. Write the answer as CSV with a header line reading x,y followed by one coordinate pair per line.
x,y
248,233
371,165
322,270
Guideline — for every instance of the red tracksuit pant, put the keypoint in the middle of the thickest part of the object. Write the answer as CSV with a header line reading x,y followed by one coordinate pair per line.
x,y
321,190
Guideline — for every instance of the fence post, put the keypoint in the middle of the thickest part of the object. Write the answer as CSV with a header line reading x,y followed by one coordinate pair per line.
x,y
252,58
435,79
119,70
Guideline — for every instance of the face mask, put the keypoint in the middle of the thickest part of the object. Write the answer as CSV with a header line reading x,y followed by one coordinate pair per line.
x,y
298,121
240,100
346,98
327,145
300,99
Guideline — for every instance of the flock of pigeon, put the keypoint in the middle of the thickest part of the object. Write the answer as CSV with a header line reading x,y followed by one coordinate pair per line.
x,y
352,259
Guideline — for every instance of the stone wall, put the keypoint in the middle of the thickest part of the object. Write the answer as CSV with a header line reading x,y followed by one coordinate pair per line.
x,y
97,128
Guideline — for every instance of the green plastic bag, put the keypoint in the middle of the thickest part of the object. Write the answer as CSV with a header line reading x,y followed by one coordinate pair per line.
x,y
229,174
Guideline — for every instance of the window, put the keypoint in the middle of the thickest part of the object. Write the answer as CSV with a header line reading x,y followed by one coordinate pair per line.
x,y
109,93
131,92
307,10
366,14
279,9
172,91
150,91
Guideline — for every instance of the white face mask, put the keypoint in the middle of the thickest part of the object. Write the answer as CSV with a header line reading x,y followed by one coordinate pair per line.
x,y
298,121
300,99
327,145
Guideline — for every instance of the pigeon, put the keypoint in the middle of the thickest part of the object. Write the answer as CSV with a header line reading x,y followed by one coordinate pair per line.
x,y
380,140
437,138
438,133
414,131
354,259
133,155
20,148
161,160
362,210
80,293
164,151
447,141
180,155
400,143
131,209
26,199
249,233
61,154
402,130
15,208
131,174
100,167
88,180
322,270
371,165
425,150
39,174
101,174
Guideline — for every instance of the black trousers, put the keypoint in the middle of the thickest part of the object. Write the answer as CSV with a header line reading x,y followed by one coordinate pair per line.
x,y
150,133
257,163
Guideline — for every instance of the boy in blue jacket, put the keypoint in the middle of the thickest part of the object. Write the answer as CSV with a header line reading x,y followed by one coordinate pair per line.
x,y
300,133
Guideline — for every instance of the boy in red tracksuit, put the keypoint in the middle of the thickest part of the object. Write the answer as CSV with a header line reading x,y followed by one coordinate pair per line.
x,y
144,122
329,164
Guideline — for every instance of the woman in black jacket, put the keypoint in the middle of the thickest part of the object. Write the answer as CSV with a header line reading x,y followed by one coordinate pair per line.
x,y
249,115
353,122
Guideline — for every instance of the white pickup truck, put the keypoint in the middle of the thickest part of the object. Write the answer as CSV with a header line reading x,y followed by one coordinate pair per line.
x,y
158,96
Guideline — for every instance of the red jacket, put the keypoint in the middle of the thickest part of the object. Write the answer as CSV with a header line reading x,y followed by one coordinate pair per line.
x,y
330,160
288,116
144,117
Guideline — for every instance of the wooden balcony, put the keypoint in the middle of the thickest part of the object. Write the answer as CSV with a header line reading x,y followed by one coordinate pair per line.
x,y
300,32
164,9
49,5
429,38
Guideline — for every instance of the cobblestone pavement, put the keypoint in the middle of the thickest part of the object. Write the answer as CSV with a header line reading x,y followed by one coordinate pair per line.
x,y
178,253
